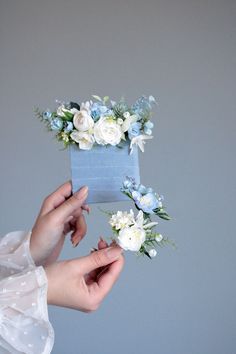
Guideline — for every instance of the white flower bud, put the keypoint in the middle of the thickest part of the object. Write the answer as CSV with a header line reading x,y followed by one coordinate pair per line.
x,y
152,253
159,238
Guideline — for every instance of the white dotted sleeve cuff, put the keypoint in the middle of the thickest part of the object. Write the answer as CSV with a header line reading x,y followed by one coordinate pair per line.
x,y
15,253
24,323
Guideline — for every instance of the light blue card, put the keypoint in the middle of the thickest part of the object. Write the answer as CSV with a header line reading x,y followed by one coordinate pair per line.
x,y
103,169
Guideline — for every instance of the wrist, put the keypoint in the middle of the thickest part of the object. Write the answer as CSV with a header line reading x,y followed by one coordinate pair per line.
x,y
50,285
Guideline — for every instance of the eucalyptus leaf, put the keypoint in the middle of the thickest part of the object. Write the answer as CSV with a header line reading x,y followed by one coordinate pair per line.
x,y
97,98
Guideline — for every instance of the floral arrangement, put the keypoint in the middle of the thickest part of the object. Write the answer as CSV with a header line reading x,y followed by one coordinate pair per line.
x,y
136,233
101,122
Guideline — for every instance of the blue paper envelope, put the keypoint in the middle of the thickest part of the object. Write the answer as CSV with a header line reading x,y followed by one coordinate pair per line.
x,y
103,169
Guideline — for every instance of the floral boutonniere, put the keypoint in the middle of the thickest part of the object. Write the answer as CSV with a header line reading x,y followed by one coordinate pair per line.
x,y
101,122
137,232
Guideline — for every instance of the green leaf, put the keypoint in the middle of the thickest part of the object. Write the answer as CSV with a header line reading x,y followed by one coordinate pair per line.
x,y
105,99
97,98
162,214
68,115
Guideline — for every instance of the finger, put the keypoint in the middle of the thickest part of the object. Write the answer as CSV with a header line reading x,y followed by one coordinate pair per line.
x,y
70,205
102,244
109,276
99,259
86,208
92,276
56,198
80,230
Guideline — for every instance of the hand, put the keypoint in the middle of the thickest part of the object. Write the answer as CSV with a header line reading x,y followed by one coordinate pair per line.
x,y
59,214
82,283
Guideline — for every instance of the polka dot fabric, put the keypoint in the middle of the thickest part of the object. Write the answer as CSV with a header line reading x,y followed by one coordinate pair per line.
x,y
24,323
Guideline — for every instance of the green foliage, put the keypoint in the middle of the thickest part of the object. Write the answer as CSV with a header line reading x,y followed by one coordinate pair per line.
x,y
120,108
97,98
162,214
68,116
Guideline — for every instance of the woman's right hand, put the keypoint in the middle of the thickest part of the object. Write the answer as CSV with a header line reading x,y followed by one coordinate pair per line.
x,y
82,283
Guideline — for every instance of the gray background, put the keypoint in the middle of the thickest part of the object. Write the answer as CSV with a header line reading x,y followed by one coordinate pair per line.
x,y
182,52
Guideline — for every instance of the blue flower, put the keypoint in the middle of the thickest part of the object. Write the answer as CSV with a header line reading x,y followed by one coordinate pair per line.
x,y
97,110
147,131
134,130
128,183
56,124
149,125
142,189
147,202
142,106
47,115
69,127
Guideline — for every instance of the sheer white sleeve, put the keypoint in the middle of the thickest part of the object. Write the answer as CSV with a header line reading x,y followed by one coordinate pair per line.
x,y
24,323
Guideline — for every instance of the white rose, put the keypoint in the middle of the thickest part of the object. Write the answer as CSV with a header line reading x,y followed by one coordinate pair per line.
x,y
85,140
131,238
83,121
107,131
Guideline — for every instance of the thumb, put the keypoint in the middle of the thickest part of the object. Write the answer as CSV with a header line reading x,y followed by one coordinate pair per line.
x,y
67,208
99,259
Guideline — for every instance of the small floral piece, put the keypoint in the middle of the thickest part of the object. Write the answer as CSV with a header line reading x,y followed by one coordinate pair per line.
x,y
137,233
103,122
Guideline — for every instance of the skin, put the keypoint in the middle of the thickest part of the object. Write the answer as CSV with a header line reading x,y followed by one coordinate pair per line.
x,y
60,214
80,283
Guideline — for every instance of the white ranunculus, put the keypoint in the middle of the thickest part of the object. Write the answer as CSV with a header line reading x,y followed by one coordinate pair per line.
x,y
122,219
107,131
83,121
131,238
84,139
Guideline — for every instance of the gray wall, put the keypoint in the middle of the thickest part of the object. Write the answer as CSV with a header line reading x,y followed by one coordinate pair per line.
x,y
184,53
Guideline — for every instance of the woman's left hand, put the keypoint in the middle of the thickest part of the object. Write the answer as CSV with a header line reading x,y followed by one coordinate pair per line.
x,y
59,214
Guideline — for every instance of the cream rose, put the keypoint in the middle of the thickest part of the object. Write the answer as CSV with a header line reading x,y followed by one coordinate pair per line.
x,y
131,238
83,121
107,131
84,139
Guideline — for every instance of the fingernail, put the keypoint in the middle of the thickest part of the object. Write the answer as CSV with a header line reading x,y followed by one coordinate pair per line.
x,y
82,192
101,239
113,252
